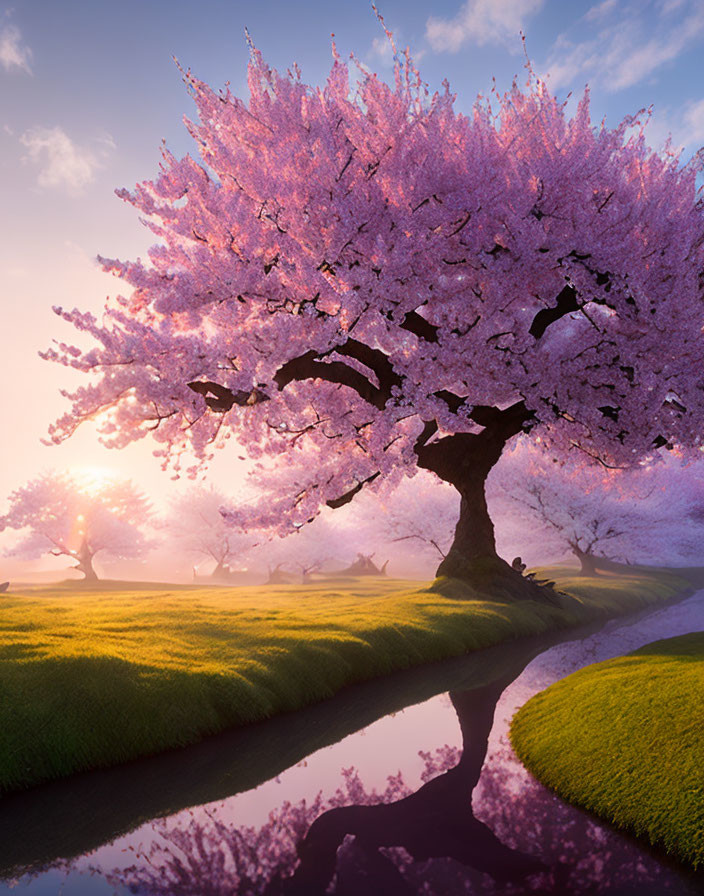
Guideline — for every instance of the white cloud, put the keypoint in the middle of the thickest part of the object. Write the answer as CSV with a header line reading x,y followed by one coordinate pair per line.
x,y
481,22
62,162
568,61
107,143
13,53
600,11
685,126
382,51
693,124
668,6
623,52
642,60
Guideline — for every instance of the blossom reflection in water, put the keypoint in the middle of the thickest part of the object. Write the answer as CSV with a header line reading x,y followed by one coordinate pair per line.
x,y
472,827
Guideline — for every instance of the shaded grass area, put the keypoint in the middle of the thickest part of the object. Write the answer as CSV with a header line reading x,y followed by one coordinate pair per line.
x,y
624,739
95,677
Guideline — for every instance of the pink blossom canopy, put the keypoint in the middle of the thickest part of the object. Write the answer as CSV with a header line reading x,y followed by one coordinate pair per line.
x,y
345,268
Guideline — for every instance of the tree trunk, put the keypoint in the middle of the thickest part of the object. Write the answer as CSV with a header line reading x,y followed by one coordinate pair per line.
x,y
474,544
85,563
220,573
465,460
588,562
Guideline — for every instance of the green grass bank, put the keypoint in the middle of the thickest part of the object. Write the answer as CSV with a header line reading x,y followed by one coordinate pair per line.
x,y
93,677
624,739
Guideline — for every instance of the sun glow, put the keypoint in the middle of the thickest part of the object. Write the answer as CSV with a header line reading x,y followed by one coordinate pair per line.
x,y
93,479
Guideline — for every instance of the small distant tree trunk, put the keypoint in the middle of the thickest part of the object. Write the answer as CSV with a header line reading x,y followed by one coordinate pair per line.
x,y
221,572
278,576
588,562
307,572
85,563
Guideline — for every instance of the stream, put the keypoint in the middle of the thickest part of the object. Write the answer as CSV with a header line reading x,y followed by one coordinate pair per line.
x,y
404,786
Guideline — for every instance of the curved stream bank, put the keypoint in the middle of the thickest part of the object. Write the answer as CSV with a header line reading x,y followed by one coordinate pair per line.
x,y
516,828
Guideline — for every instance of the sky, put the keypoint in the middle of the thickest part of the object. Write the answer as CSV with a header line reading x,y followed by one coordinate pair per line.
x,y
89,90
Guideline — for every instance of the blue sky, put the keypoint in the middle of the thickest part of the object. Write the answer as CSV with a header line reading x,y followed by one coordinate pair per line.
x,y
88,89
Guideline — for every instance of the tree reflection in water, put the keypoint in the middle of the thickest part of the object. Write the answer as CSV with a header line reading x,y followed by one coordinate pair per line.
x,y
403,842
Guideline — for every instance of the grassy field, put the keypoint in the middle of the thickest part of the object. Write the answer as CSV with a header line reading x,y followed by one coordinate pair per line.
x,y
92,677
625,740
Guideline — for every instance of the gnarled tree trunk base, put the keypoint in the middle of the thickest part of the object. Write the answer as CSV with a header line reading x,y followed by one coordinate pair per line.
x,y
489,578
587,561
472,569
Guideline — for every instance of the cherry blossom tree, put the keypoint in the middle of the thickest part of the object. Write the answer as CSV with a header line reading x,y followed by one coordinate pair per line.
x,y
419,515
196,526
75,516
644,514
362,276
196,522
320,546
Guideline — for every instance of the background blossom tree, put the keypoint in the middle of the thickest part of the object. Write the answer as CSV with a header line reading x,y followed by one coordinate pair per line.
x,y
77,517
327,544
647,514
418,517
196,525
363,273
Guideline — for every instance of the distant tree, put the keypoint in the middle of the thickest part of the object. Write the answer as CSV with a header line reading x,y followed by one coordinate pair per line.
x,y
197,527
367,273
420,514
196,521
75,516
646,514
310,549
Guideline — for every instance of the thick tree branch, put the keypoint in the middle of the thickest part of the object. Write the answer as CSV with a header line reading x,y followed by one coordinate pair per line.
x,y
566,304
420,327
347,497
463,457
220,398
307,367
375,360
310,366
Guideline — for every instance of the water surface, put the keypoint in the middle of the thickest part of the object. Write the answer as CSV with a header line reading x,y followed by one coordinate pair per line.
x,y
427,799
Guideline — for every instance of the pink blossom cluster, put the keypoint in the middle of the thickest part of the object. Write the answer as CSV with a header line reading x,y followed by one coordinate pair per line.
x,y
650,513
66,514
343,265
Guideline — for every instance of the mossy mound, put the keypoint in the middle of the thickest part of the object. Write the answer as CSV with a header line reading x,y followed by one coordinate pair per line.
x,y
624,739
